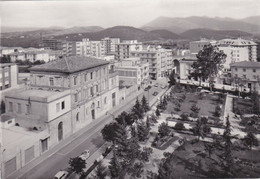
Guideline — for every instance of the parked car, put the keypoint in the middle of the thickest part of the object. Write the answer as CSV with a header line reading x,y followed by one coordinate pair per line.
x,y
156,85
61,174
155,93
84,155
147,88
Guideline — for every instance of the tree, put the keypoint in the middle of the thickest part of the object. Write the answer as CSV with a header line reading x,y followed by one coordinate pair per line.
x,y
125,119
164,129
5,59
256,103
142,131
209,62
209,147
77,165
136,170
195,109
166,170
114,166
100,172
157,112
228,159
201,129
217,111
145,105
172,79
250,140
109,132
137,110
145,154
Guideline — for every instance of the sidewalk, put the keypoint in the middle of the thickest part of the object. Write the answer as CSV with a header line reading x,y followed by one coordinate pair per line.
x,y
102,120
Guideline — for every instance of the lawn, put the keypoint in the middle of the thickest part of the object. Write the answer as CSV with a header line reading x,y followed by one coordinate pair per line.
x,y
242,106
206,102
193,161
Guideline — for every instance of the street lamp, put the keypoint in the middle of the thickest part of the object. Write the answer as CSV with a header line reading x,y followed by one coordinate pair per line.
x,y
111,115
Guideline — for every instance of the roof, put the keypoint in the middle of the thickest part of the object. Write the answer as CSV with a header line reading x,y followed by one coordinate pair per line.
x,y
248,64
236,42
70,64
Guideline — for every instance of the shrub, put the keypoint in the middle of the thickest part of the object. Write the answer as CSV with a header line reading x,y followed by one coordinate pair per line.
x,y
179,126
184,117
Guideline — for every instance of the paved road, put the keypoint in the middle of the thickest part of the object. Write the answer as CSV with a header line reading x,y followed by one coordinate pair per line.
x,y
90,139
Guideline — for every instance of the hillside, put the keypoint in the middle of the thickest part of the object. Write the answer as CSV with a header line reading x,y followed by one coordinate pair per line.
x,y
122,32
179,25
165,34
197,34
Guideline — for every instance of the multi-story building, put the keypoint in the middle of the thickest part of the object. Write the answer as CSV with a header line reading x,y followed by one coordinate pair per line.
x,y
246,74
110,44
114,42
124,49
32,56
9,50
159,59
53,44
63,96
185,67
69,48
132,71
97,48
196,46
8,77
237,50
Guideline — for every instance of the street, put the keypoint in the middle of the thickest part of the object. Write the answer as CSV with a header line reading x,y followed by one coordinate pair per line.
x,y
90,139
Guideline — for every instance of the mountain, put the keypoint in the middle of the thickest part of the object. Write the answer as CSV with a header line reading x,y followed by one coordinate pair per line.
x,y
179,25
252,20
197,34
165,34
52,31
122,32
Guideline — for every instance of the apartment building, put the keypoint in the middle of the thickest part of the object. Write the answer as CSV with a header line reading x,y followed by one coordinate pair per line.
x,y
132,71
69,48
8,77
124,48
63,96
237,50
196,46
160,60
34,55
53,44
246,74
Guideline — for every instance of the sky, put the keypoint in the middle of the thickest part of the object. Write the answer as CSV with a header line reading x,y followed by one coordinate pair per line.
x,y
108,13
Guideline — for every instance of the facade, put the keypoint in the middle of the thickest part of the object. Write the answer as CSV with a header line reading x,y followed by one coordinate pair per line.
x,y
8,77
132,71
63,96
52,44
97,49
237,50
246,74
9,50
124,49
32,56
160,61
196,46
185,67
69,48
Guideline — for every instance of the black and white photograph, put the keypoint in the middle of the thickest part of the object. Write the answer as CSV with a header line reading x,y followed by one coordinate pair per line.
x,y
129,89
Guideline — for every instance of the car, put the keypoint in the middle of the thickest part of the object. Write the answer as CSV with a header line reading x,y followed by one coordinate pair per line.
x,y
156,85
164,86
147,88
84,155
155,93
61,174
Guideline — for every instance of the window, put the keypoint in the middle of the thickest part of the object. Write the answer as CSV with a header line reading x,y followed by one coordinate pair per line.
x,y
92,91
10,107
63,105
77,116
105,100
58,107
76,97
27,108
91,75
97,88
19,110
235,69
244,70
254,70
51,81
75,80
98,104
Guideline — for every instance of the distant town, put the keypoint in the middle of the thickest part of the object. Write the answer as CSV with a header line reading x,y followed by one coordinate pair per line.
x,y
113,108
